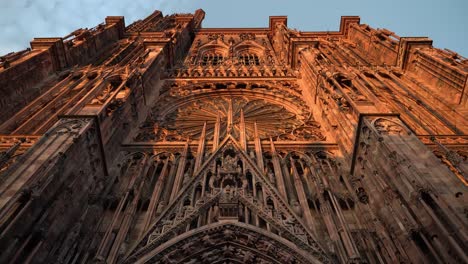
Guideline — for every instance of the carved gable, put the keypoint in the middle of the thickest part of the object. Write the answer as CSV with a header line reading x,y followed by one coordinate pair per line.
x,y
226,189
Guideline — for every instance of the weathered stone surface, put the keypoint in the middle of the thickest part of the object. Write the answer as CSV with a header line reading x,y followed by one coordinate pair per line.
x,y
165,142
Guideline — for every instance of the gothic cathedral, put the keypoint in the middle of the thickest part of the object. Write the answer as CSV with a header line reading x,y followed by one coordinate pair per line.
x,y
165,142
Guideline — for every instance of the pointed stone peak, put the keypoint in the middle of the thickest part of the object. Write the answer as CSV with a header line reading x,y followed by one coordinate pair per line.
x,y
229,186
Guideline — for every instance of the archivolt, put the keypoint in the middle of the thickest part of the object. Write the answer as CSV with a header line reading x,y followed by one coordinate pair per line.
x,y
295,106
249,47
215,48
234,242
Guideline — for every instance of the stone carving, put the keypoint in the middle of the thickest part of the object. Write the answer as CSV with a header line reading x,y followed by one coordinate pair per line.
x,y
104,95
310,131
362,195
247,36
280,41
71,126
267,250
341,102
228,196
347,84
113,106
388,127
151,131
10,155
215,37
187,121
228,163
244,55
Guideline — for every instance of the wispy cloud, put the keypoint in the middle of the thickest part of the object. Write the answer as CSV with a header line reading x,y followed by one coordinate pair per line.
x,y
22,20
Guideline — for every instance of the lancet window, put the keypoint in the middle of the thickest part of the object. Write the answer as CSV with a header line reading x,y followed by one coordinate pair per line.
x,y
211,59
248,59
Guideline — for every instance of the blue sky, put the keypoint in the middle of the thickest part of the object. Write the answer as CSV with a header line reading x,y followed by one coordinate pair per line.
x,y
445,21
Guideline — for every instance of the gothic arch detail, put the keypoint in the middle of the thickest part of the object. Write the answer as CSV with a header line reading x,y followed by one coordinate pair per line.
x,y
164,142
386,126
178,117
224,189
227,241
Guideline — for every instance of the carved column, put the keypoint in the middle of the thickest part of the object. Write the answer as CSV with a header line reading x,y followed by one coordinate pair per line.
x,y
200,150
108,239
278,171
127,220
170,183
302,197
180,171
155,196
258,150
216,133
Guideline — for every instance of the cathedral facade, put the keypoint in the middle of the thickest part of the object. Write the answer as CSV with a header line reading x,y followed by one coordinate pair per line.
x,y
165,142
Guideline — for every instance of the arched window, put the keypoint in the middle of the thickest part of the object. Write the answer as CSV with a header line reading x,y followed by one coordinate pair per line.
x,y
248,59
211,59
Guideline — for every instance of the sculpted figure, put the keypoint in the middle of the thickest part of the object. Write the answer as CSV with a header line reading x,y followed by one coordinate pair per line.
x,y
287,258
248,257
229,234
208,241
229,163
186,178
229,251
296,207
271,176
266,246
215,215
187,248
245,183
251,239
211,181
239,169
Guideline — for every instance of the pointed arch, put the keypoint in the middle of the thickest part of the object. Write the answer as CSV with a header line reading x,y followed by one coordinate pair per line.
x,y
214,47
176,218
248,46
234,241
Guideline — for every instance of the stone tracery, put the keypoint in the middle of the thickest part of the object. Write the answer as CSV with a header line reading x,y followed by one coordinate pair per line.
x,y
170,143
226,111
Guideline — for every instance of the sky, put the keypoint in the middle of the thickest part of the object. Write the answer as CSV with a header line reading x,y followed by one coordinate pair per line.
x,y
444,21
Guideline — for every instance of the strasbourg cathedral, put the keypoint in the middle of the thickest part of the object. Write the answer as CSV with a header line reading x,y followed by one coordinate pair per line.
x,y
165,142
